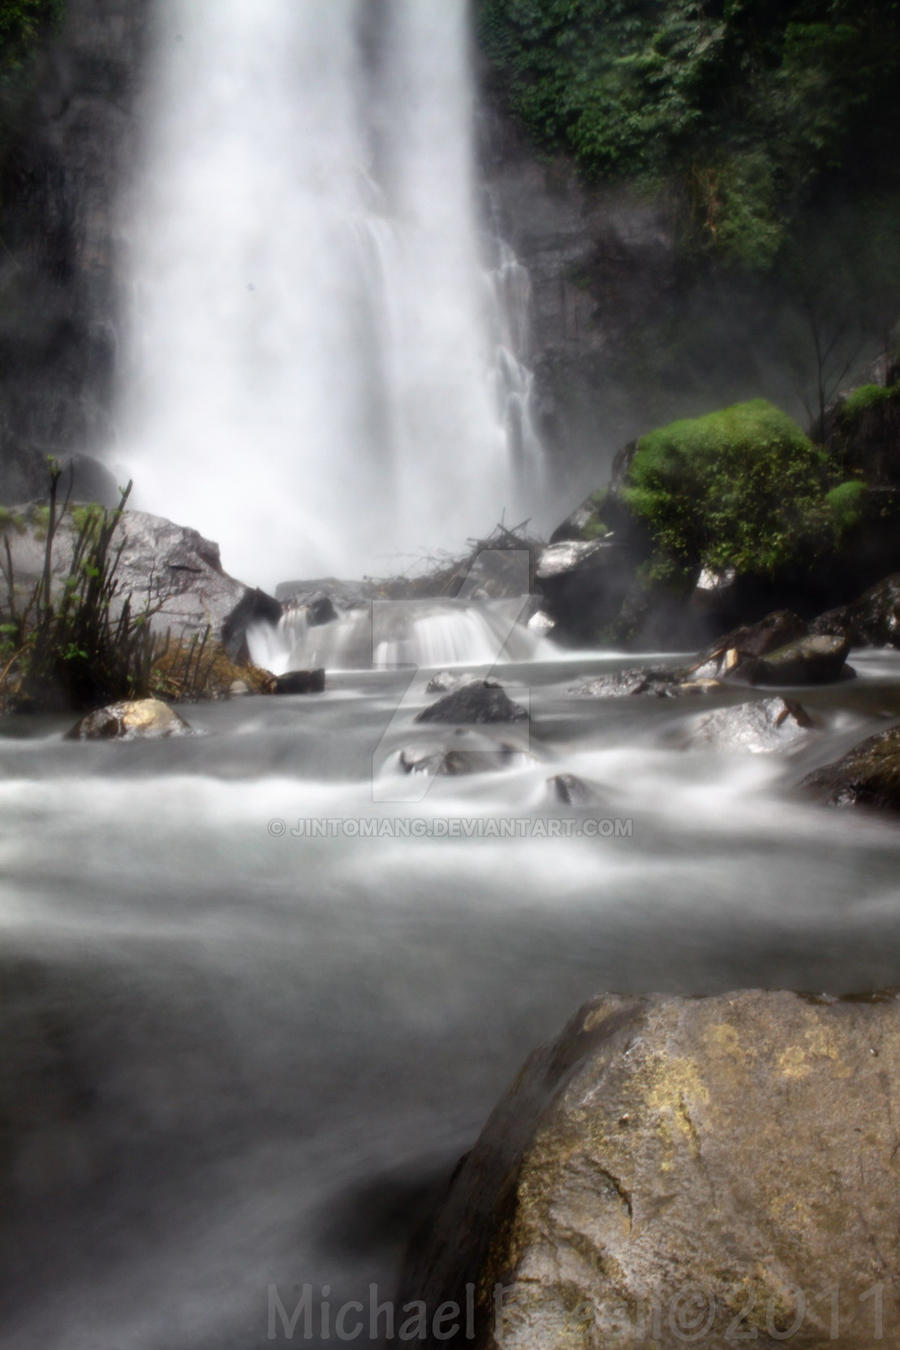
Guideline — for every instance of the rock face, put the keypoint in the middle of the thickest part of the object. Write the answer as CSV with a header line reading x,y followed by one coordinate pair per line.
x,y
868,775
684,1171
143,718
871,621
481,701
60,173
162,564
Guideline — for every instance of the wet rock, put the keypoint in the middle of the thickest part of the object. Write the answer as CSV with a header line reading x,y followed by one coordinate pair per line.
x,y
469,752
759,727
445,681
818,659
238,688
683,1170
871,621
623,683
301,682
480,701
541,623
320,610
583,585
868,775
570,790
144,718
735,648
714,589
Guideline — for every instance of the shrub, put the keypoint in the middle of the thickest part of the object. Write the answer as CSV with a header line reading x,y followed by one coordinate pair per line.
x,y
743,487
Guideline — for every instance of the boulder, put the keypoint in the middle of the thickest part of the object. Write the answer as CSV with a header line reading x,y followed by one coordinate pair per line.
x,y
676,1171
731,650
868,775
171,568
143,718
300,682
817,659
469,752
480,701
759,727
584,585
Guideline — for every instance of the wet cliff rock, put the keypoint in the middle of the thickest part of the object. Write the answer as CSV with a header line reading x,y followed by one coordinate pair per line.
x,y
62,165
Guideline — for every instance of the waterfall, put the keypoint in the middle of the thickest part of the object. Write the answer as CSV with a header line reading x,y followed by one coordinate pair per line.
x,y
325,346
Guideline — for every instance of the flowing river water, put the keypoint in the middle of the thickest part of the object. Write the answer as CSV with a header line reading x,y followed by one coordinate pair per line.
x,y
256,1001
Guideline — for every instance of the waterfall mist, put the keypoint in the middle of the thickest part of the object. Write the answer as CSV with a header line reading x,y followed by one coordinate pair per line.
x,y
324,350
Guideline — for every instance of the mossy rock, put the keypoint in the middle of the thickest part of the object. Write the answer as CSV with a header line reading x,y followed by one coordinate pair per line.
x,y
868,775
864,434
743,487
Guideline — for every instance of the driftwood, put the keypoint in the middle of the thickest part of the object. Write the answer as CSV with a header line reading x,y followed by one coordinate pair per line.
x,y
482,570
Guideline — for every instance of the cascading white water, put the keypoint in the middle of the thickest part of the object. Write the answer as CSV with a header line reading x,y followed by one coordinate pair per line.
x,y
396,633
323,371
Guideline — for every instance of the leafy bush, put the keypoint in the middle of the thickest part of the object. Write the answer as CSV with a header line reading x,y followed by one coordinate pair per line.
x,y
743,487
72,644
748,105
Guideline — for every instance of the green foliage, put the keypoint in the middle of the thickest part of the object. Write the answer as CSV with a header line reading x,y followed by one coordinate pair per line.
x,y
748,104
865,397
22,24
846,502
742,487
76,644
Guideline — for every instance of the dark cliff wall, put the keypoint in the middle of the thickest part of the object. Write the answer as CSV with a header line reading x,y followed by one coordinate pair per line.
x,y
71,141
628,329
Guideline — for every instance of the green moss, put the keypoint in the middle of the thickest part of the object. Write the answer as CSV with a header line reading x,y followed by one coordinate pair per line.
x,y
865,397
846,502
743,487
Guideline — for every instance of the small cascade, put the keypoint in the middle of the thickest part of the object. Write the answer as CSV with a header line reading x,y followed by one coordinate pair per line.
x,y
387,633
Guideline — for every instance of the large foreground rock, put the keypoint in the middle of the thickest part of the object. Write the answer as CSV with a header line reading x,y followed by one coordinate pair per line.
x,y
868,775
685,1171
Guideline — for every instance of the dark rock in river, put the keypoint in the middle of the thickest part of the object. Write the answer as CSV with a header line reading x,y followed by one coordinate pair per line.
x,y
868,775
570,790
144,718
731,650
481,701
818,659
765,725
623,683
300,682
677,1171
